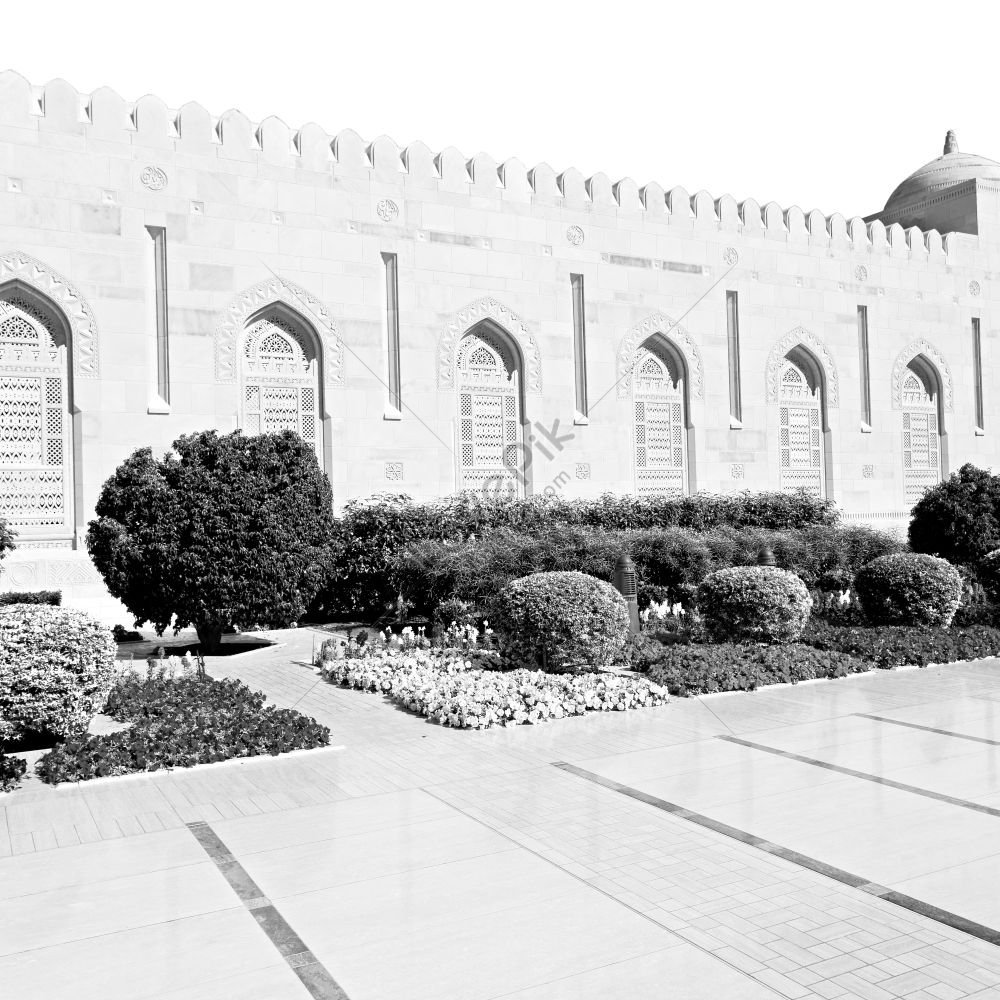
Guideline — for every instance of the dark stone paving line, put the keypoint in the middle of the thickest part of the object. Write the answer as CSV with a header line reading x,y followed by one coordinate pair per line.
x,y
930,729
981,931
865,776
311,972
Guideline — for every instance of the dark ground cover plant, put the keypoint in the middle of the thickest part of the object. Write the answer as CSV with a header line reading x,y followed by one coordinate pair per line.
x,y
50,597
11,772
701,669
226,530
959,518
372,533
894,646
179,723
909,588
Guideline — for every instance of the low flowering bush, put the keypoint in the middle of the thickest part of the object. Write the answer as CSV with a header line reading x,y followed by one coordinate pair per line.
x,y
562,621
754,603
180,722
894,646
907,588
443,685
57,666
702,669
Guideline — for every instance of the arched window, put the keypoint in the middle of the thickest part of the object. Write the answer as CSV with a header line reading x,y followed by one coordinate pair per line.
x,y
280,380
801,423
660,421
36,481
489,414
921,394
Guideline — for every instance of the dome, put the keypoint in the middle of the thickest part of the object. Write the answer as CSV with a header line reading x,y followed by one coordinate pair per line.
x,y
952,167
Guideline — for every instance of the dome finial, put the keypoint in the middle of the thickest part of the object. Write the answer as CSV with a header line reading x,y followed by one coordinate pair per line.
x,y
950,143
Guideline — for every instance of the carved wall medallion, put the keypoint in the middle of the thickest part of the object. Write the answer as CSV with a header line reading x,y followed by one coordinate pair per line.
x,y
737,470
227,333
387,210
155,178
929,351
394,471
861,272
583,470
489,308
677,335
575,236
730,256
867,471
20,267
974,288
819,350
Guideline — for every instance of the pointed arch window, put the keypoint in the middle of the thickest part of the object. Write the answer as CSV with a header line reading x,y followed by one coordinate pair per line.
x,y
920,391
36,480
660,423
800,414
489,415
280,380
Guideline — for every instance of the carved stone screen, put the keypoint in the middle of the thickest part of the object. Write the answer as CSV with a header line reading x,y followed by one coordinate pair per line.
x,y
280,388
660,433
35,469
800,431
921,443
489,418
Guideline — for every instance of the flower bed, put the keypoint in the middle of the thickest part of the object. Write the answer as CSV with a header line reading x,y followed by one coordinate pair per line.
x,y
448,687
180,722
726,666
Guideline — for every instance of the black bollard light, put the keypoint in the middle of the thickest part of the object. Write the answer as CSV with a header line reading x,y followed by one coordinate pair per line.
x,y
625,584
765,557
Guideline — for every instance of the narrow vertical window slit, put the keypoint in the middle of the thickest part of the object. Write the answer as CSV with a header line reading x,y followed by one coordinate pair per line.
x,y
159,237
866,389
733,339
977,367
392,328
579,344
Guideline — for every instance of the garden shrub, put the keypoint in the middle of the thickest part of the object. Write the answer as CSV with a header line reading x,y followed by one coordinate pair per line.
x,y
180,723
959,518
57,666
51,597
7,536
987,573
122,634
909,588
11,771
755,603
702,669
561,621
894,646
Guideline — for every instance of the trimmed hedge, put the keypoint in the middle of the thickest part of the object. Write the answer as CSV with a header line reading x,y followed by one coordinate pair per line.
x,y
755,603
909,589
57,666
180,723
702,669
561,622
895,646
51,597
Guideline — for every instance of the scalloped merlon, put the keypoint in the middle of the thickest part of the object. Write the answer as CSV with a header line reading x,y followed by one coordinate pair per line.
x,y
16,100
386,157
274,138
194,128
62,108
152,122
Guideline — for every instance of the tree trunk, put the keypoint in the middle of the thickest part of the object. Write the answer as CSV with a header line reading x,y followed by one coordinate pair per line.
x,y
209,637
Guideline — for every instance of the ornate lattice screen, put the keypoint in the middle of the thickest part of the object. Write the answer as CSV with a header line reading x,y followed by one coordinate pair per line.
x,y
921,439
489,418
800,432
280,388
35,471
660,433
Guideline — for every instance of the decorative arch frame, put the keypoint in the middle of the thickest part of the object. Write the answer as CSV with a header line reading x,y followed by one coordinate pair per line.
x,y
800,336
673,333
20,268
936,358
489,308
278,292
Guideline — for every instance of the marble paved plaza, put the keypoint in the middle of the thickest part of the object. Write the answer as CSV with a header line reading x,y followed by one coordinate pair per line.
x,y
834,839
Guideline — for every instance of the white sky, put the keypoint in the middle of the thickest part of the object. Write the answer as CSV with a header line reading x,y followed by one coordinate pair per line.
x,y
824,106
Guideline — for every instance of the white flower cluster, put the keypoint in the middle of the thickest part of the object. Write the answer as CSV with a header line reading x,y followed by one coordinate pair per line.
x,y
662,612
447,686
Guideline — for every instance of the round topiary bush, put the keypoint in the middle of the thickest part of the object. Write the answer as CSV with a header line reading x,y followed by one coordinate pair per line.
x,y
561,621
754,604
57,666
909,589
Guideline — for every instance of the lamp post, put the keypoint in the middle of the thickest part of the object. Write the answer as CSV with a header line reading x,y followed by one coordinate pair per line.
x,y
625,584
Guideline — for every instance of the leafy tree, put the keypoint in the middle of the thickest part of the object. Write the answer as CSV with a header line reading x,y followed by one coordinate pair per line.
x,y
6,537
227,530
959,519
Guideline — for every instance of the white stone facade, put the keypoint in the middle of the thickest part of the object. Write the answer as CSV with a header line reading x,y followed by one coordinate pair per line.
x,y
151,242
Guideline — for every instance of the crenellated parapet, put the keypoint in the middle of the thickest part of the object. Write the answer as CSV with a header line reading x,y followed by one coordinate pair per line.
x,y
192,130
